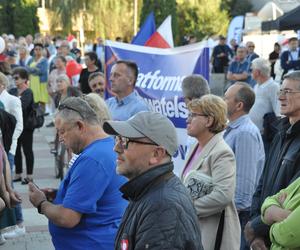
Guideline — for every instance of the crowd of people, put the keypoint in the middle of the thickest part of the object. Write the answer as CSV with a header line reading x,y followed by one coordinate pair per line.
x,y
239,184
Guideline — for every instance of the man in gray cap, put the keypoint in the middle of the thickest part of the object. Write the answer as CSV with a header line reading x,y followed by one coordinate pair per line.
x,y
160,214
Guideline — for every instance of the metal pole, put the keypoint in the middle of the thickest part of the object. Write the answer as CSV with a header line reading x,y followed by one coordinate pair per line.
x,y
135,17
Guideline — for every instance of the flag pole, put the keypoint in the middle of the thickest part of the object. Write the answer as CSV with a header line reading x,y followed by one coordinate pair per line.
x,y
135,17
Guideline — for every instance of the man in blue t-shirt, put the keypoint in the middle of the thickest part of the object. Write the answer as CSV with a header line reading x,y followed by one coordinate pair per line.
x,y
88,206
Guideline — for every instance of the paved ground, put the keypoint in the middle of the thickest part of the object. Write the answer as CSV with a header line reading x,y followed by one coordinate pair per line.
x,y
37,236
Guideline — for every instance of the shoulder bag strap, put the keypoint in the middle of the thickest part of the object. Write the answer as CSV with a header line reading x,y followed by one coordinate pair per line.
x,y
219,235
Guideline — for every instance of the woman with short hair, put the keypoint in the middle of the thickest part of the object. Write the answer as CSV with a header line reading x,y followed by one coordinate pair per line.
x,y
209,174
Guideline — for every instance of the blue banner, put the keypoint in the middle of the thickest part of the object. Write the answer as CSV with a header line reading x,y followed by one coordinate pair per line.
x,y
161,72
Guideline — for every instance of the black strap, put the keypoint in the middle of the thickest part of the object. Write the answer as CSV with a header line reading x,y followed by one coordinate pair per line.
x,y
220,231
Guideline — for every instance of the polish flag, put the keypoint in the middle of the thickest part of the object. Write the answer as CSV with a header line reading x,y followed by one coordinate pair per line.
x,y
163,37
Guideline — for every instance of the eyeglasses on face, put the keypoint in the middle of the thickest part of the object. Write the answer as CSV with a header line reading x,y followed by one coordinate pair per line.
x,y
191,115
124,142
287,92
64,106
16,78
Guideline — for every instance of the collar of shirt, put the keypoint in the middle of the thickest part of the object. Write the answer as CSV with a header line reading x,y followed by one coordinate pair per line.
x,y
266,83
242,62
236,123
125,100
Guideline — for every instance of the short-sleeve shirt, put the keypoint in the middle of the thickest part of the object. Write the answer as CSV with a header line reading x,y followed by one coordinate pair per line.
x,y
91,187
122,110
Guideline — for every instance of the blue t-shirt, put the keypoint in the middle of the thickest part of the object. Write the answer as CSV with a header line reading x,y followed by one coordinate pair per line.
x,y
91,187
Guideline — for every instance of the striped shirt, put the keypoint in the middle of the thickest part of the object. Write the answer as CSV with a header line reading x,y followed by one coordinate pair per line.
x,y
245,141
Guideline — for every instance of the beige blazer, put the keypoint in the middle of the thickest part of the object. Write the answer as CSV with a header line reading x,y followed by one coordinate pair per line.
x,y
216,162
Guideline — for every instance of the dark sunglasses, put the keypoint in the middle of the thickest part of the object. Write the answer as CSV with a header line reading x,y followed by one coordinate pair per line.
x,y
63,106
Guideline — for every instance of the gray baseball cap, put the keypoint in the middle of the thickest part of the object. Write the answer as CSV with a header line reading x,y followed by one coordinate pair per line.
x,y
154,126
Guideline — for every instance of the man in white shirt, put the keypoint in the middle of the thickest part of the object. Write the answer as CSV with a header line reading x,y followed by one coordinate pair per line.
x,y
266,89
13,106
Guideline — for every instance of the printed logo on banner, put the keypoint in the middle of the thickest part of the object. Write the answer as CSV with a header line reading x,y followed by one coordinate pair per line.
x,y
161,72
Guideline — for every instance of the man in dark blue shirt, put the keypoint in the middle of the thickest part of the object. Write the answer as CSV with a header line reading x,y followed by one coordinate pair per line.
x,y
221,56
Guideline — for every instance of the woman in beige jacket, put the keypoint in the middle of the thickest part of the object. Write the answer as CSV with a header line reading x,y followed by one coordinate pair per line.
x,y
209,173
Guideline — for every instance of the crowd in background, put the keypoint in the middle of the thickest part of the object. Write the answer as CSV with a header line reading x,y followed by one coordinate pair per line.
x,y
241,170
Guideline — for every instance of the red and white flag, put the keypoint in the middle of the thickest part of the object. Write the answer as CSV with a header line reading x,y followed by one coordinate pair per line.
x,y
163,37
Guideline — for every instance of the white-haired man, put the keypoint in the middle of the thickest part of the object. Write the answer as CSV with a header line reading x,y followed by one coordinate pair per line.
x,y
266,105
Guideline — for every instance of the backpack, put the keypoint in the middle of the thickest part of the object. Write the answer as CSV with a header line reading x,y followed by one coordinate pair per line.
x,y
35,117
7,124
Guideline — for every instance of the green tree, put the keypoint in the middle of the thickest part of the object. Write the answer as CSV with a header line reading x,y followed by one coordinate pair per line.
x,y
161,9
18,17
66,12
202,18
106,18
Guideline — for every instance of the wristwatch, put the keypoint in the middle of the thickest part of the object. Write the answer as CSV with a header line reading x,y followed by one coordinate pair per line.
x,y
39,206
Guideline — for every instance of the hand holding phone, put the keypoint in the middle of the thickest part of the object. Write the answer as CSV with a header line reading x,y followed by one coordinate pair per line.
x,y
50,193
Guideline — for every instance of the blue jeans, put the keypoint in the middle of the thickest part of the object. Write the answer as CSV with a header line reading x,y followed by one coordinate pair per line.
x,y
244,217
18,208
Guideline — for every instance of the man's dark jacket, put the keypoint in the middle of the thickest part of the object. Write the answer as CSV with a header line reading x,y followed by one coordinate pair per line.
x,y
292,65
160,214
282,167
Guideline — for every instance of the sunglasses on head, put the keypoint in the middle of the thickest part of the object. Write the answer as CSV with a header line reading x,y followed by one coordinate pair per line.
x,y
64,106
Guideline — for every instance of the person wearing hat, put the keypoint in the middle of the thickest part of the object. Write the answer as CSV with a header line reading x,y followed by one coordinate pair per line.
x,y
160,214
88,206
221,56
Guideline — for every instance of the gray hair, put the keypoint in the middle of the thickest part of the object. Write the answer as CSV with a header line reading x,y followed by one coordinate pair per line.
x,y
76,108
3,80
194,86
294,76
245,95
262,65
99,106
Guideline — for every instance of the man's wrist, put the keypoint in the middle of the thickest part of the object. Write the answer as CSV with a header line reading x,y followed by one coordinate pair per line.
x,y
39,206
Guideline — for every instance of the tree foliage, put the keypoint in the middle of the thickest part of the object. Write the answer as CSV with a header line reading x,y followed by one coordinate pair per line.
x,y
106,18
112,18
18,17
202,18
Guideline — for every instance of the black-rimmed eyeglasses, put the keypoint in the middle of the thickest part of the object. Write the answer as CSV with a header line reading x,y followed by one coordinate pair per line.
x,y
124,142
